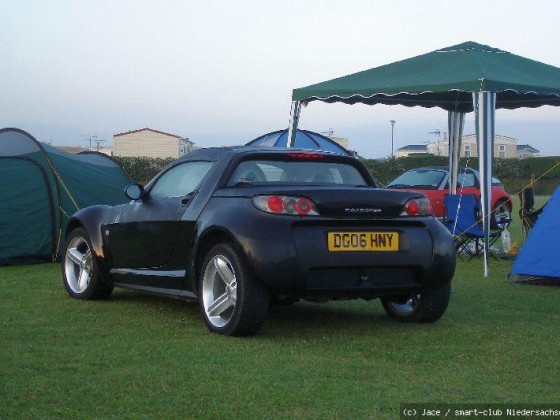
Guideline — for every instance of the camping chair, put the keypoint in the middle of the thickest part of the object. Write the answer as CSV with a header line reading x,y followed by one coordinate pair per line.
x,y
463,222
527,212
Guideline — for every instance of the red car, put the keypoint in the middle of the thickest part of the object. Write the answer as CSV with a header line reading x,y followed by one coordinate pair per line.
x,y
434,183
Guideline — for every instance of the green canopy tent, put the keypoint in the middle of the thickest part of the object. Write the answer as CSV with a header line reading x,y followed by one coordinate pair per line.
x,y
42,187
459,79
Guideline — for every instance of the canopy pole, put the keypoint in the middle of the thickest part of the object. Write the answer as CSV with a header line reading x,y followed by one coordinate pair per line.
x,y
485,110
294,121
455,124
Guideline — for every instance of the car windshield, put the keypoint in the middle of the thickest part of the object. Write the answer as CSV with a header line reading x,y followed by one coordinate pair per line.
x,y
270,171
419,178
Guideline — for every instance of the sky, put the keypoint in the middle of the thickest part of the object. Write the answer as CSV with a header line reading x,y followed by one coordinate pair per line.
x,y
222,72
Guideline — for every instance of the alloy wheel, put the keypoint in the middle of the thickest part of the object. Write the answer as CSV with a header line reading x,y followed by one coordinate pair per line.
x,y
219,291
78,265
407,306
502,215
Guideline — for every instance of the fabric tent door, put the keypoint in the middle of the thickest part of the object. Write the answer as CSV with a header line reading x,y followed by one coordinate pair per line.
x,y
26,229
42,187
458,79
538,259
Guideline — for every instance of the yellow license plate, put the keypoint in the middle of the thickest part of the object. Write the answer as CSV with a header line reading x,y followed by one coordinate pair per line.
x,y
362,241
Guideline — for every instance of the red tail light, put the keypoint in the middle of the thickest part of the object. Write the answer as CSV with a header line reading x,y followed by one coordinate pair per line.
x,y
281,204
418,207
303,206
275,204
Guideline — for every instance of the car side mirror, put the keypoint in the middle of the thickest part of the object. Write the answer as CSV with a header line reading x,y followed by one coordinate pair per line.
x,y
134,191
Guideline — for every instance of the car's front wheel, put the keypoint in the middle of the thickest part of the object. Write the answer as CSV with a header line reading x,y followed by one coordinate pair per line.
x,y
232,301
423,307
82,277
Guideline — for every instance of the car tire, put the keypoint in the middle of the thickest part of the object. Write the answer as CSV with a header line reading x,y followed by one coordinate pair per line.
x,y
82,276
423,307
501,211
232,301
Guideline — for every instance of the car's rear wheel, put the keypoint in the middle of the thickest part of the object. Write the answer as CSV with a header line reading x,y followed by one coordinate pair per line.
x,y
501,215
424,307
232,301
81,275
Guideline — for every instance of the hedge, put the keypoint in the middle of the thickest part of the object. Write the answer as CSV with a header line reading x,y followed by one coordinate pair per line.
x,y
142,169
515,174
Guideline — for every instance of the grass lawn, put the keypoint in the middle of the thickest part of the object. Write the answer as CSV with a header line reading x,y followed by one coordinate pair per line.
x,y
136,355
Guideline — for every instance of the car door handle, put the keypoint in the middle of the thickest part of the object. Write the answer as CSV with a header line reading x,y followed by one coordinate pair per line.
x,y
187,198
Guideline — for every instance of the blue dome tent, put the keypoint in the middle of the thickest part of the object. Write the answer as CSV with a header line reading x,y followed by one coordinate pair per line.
x,y
538,261
304,140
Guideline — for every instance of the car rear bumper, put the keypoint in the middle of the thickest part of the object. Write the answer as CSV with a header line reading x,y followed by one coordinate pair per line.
x,y
291,256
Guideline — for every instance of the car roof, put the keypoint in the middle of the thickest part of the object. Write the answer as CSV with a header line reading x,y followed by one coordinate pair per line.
x,y
446,169
440,168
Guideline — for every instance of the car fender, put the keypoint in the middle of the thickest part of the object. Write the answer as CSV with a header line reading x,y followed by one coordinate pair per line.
x,y
219,233
445,255
501,195
92,219
206,237
251,230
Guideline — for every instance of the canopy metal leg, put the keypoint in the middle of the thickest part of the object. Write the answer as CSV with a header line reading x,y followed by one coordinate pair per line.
x,y
484,107
294,121
455,123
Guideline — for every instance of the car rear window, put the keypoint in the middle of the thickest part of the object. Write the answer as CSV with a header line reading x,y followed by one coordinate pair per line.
x,y
296,172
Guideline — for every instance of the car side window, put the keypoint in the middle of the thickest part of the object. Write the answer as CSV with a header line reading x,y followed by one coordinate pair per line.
x,y
466,179
180,180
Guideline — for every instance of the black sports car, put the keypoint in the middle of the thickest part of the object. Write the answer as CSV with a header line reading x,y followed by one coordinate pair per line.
x,y
238,228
